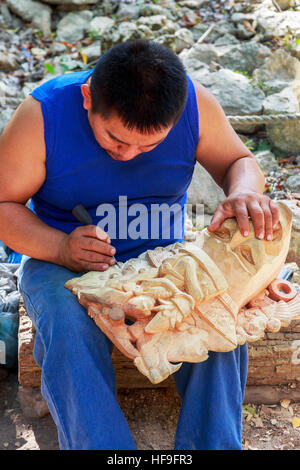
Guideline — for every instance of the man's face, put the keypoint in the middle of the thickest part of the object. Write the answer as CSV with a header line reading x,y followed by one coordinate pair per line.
x,y
119,142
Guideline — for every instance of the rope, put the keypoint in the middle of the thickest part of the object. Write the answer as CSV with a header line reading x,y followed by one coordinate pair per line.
x,y
263,118
245,119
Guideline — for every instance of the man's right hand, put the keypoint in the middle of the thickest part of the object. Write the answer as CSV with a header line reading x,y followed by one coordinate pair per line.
x,y
87,248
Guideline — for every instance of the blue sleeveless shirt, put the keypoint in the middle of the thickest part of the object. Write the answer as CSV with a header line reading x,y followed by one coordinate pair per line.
x,y
140,202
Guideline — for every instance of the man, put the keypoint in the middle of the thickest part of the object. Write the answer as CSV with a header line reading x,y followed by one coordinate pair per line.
x,y
134,127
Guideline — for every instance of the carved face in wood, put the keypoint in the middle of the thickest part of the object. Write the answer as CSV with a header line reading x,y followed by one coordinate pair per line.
x,y
247,262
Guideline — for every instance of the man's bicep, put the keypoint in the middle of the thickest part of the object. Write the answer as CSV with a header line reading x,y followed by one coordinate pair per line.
x,y
219,145
22,153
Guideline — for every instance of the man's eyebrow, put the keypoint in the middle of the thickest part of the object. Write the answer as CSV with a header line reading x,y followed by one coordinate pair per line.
x,y
121,141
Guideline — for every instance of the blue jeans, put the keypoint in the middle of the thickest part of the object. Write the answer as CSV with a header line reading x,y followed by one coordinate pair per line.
x,y
78,379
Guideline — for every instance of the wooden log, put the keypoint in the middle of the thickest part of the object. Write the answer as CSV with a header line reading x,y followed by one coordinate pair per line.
x,y
275,360
270,360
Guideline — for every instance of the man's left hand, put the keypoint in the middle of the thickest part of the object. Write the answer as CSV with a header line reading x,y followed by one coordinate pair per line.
x,y
242,204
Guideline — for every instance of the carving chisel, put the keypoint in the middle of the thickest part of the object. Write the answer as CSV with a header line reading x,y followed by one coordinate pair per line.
x,y
84,217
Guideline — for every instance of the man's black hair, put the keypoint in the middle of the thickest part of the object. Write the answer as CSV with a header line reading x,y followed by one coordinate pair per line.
x,y
143,82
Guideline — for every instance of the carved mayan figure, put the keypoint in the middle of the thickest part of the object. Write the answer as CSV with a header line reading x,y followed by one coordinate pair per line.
x,y
193,297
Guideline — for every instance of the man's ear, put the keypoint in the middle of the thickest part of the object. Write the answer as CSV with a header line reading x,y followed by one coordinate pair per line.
x,y
86,93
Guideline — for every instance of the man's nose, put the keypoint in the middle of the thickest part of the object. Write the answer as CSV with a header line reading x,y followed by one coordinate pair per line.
x,y
129,152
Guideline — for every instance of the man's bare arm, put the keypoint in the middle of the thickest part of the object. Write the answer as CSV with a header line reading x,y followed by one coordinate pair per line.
x,y
234,168
22,173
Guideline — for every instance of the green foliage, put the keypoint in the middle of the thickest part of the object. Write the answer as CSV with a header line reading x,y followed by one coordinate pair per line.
x,y
49,68
249,409
244,72
255,83
290,42
263,145
249,145
279,153
263,86
68,64
94,35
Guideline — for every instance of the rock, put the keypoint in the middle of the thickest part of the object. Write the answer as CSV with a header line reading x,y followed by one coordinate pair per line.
x,y
32,402
7,62
273,24
243,32
234,92
285,135
194,4
204,190
5,117
4,90
100,24
35,12
157,22
28,88
294,250
72,26
240,57
223,28
182,39
93,51
130,11
278,71
240,17
293,183
152,10
226,40
283,102
70,2
296,272
285,4
125,31
266,161
5,15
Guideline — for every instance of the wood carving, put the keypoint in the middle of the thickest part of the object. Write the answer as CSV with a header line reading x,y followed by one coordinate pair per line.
x,y
175,304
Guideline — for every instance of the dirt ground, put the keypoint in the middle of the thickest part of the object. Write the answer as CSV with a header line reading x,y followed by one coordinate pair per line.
x,y
152,416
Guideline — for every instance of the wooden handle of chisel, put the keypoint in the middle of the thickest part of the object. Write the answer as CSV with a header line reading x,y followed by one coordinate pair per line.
x,y
82,215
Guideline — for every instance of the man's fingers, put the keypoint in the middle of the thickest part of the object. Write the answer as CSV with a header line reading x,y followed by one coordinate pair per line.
x,y
257,217
218,217
95,232
275,213
94,266
93,257
267,221
241,213
93,244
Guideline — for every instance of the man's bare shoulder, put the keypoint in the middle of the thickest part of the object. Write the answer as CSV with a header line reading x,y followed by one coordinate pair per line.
x,y
22,152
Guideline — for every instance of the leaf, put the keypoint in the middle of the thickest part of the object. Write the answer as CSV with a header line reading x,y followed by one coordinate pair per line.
x,y
285,403
249,409
49,68
296,422
84,58
249,26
